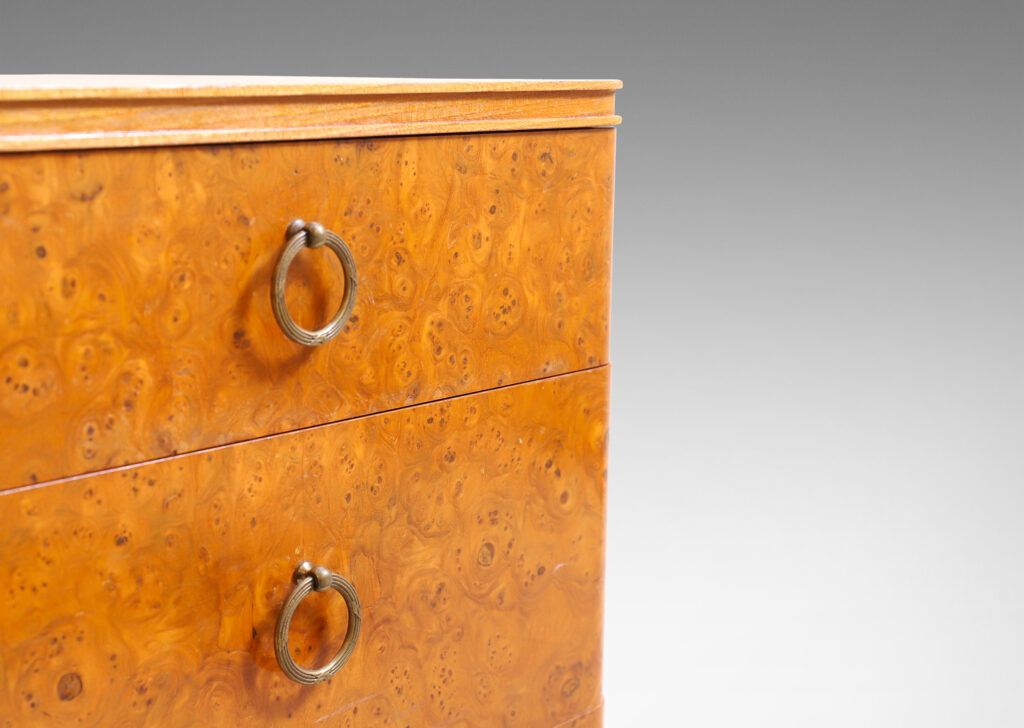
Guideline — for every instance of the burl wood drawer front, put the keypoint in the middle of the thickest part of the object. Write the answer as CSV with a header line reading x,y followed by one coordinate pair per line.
x,y
472,529
135,286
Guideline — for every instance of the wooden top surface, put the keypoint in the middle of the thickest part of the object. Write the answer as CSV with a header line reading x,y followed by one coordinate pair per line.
x,y
64,87
39,113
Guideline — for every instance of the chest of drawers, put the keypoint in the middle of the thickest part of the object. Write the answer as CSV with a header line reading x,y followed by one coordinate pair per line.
x,y
175,439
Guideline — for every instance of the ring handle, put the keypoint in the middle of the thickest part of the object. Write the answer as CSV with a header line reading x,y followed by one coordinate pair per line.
x,y
309,578
299,235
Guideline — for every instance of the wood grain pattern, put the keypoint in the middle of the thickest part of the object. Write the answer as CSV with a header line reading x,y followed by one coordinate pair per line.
x,y
134,286
593,718
472,528
68,112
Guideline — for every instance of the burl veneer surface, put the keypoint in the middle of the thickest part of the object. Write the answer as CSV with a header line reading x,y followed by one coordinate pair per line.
x,y
473,530
135,286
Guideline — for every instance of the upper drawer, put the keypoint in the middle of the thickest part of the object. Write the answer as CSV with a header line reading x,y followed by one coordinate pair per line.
x,y
135,286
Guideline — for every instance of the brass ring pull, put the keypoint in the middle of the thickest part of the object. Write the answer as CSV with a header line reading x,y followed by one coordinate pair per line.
x,y
301,234
309,578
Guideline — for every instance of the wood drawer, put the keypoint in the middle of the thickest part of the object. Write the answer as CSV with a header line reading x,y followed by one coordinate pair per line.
x,y
135,286
473,530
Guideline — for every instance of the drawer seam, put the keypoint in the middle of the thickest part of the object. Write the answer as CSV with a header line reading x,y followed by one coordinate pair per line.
x,y
128,466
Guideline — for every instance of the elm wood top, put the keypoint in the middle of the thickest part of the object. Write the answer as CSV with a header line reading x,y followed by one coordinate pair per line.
x,y
70,86
81,112
472,529
135,286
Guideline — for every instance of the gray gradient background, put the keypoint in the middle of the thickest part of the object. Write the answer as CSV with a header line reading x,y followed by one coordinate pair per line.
x,y
816,461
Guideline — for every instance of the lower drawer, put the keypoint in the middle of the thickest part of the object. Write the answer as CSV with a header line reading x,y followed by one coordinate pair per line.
x,y
472,530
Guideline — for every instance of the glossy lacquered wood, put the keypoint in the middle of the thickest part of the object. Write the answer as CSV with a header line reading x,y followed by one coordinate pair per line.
x,y
82,112
65,87
135,286
471,528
